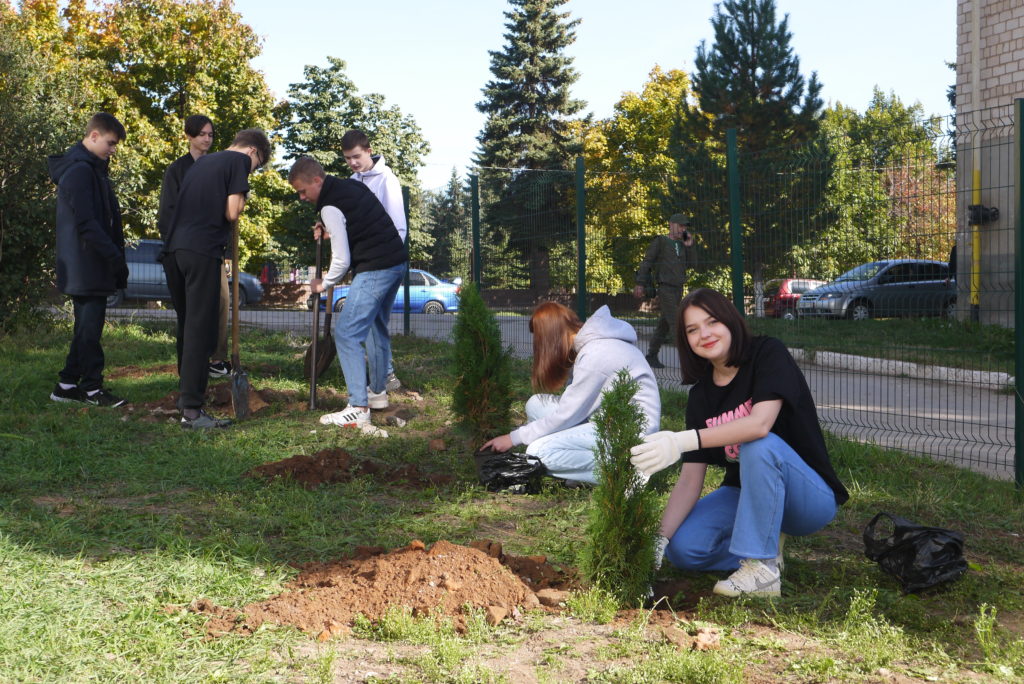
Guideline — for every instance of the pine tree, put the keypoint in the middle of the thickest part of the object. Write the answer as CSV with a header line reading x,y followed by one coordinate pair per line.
x,y
750,80
529,112
448,218
618,555
483,368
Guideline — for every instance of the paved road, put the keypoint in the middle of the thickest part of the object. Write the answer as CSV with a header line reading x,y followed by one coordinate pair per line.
x,y
963,424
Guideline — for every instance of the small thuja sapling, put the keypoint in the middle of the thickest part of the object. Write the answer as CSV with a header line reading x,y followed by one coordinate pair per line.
x,y
618,552
481,396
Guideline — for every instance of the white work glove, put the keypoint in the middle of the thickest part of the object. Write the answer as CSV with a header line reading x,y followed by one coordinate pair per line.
x,y
662,449
660,542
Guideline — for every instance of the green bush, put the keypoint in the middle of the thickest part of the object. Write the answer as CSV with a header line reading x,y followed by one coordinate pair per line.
x,y
618,553
37,119
481,397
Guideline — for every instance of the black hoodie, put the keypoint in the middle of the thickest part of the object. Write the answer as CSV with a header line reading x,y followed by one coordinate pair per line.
x,y
90,240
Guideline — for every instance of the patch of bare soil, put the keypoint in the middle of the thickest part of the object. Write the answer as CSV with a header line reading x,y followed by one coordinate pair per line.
x,y
331,466
136,372
325,598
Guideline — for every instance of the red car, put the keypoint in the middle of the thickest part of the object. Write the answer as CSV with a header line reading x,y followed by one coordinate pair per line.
x,y
781,296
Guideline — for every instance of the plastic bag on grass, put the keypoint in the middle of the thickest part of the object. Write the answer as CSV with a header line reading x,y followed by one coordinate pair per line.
x,y
920,557
507,471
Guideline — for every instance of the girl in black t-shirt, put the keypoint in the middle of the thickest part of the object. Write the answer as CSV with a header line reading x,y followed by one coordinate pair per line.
x,y
751,412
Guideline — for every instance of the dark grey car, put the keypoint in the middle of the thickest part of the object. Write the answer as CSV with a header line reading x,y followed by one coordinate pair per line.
x,y
886,288
146,279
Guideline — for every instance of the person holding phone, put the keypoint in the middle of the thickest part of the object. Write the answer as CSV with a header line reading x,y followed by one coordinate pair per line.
x,y
662,274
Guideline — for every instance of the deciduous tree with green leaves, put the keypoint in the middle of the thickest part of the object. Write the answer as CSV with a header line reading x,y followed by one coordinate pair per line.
x,y
37,114
312,121
629,174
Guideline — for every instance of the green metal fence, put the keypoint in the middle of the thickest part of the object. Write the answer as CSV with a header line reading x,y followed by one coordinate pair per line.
x,y
910,355
924,363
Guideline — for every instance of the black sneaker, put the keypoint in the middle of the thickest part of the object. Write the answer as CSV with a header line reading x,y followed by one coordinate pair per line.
x,y
69,394
103,397
218,369
204,421
653,362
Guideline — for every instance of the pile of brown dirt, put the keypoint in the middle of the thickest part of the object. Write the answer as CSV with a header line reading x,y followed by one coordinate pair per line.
x,y
325,598
330,466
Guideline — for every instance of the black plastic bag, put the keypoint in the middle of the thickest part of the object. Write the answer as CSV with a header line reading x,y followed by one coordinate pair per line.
x,y
507,471
920,557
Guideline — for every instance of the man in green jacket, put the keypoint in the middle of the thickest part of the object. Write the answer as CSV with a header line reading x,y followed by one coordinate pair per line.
x,y
662,273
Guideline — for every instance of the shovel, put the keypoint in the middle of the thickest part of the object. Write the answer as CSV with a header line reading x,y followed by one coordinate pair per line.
x,y
239,378
321,350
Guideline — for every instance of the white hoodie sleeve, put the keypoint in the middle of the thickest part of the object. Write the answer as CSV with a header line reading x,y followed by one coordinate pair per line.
x,y
580,399
391,198
341,258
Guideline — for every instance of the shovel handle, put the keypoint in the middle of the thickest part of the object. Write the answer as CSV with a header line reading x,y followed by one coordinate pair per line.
x,y
235,323
315,298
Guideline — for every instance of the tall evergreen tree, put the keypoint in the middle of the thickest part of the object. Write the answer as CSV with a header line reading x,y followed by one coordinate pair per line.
x,y
448,221
528,105
529,113
749,80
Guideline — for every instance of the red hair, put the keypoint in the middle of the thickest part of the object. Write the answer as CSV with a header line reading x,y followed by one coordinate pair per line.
x,y
554,327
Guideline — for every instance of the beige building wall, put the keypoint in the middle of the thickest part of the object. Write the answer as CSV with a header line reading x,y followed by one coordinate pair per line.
x,y
990,75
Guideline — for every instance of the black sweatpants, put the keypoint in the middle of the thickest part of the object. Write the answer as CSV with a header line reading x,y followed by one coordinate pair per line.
x,y
84,363
194,282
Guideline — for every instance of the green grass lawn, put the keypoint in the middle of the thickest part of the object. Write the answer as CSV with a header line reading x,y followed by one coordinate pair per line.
x,y
109,517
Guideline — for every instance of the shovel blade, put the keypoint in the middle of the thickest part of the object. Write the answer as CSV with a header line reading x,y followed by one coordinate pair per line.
x,y
240,393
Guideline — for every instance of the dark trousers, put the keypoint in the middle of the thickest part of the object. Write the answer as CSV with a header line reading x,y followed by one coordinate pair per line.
x,y
194,282
669,297
84,364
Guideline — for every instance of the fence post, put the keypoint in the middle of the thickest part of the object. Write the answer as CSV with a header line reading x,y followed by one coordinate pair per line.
x,y
581,241
735,226
474,188
405,279
1018,293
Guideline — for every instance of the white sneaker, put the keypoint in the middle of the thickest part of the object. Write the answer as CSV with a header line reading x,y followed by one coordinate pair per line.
x,y
349,417
754,578
393,384
377,400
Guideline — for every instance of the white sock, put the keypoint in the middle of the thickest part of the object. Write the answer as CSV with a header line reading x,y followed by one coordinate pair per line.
x,y
66,386
92,392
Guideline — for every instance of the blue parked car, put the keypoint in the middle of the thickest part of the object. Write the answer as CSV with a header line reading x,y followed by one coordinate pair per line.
x,y
427,294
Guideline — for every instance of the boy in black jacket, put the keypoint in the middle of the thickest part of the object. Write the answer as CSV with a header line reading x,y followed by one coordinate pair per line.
x,y
90,254
211,199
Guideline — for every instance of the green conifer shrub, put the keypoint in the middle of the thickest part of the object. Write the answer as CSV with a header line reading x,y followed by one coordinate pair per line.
x,y
481,397
618,552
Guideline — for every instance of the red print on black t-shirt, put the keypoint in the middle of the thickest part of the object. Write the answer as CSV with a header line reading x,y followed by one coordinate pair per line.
x,y
732,451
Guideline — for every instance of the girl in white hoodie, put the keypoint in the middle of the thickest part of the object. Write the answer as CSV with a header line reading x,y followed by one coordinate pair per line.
x,y
585,358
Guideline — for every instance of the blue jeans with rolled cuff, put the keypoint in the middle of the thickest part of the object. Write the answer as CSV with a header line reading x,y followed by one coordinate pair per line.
x,y
780,493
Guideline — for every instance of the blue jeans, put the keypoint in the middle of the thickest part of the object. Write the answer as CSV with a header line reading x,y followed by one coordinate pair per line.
x,y
780,493
569,453
364,322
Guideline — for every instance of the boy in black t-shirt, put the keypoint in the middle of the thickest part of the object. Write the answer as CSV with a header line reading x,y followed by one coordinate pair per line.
x,y
750,411
211,199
